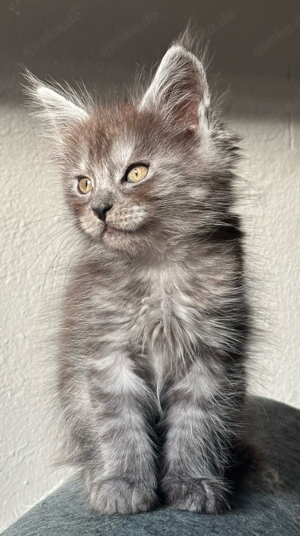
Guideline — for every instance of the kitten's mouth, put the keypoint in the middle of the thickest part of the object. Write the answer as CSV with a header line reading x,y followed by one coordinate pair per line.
x,y
108,229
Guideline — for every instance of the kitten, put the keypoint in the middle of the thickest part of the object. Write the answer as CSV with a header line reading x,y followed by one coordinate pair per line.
x,y
156,324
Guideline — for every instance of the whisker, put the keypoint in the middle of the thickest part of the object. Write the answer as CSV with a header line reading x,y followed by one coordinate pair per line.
x,y
55,233
60,254
48,245
30,223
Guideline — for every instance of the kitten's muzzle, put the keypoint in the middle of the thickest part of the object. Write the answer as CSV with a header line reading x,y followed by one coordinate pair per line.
x,y
102,210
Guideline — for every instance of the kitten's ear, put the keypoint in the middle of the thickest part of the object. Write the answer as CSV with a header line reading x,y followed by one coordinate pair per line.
x,y
179,88
60,108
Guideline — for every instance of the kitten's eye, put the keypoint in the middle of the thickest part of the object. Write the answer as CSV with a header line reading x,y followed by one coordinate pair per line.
x,y
85,185
136,173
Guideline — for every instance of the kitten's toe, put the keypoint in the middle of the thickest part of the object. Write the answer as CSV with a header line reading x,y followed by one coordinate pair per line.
x,y
207,495
121,497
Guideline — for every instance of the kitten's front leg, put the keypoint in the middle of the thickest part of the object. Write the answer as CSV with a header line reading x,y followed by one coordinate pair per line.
x,y
200,429
121,476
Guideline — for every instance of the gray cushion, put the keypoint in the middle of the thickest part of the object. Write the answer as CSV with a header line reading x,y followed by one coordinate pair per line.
x,y
267,504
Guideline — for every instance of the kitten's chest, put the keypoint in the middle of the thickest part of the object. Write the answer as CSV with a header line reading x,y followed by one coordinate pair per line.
x,y
167,319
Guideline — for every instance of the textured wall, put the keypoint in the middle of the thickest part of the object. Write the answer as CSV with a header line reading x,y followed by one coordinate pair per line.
x,y
258,58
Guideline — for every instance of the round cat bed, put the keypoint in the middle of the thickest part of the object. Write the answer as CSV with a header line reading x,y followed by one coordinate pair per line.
x,y
268,503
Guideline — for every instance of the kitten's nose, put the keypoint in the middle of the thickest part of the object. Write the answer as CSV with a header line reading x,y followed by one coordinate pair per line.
x,y
102,210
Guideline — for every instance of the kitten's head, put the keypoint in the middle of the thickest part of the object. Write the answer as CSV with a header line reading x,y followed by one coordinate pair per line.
x,y
146,173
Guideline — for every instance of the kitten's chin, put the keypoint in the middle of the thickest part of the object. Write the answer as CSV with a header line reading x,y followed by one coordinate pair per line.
x,y
117,238
131,242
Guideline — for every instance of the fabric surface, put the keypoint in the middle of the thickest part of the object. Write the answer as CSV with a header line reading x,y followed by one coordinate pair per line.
x,y
267,505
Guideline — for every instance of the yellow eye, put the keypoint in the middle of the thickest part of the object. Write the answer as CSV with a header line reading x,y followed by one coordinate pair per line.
x,y
136,173
85,185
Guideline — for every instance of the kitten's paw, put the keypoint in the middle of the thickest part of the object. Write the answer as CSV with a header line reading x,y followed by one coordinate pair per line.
x,y
121,497
207,495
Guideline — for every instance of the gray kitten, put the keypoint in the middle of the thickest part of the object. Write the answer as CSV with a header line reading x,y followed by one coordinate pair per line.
x,y
155,326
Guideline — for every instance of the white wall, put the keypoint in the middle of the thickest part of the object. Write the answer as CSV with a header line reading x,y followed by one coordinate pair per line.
x,y
263,106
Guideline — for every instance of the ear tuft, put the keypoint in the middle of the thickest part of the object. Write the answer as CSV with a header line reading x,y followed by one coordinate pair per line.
x,y
179,88
59,107
192,40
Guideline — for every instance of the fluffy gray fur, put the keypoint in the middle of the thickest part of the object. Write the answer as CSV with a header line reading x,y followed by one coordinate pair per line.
x,y
155,323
